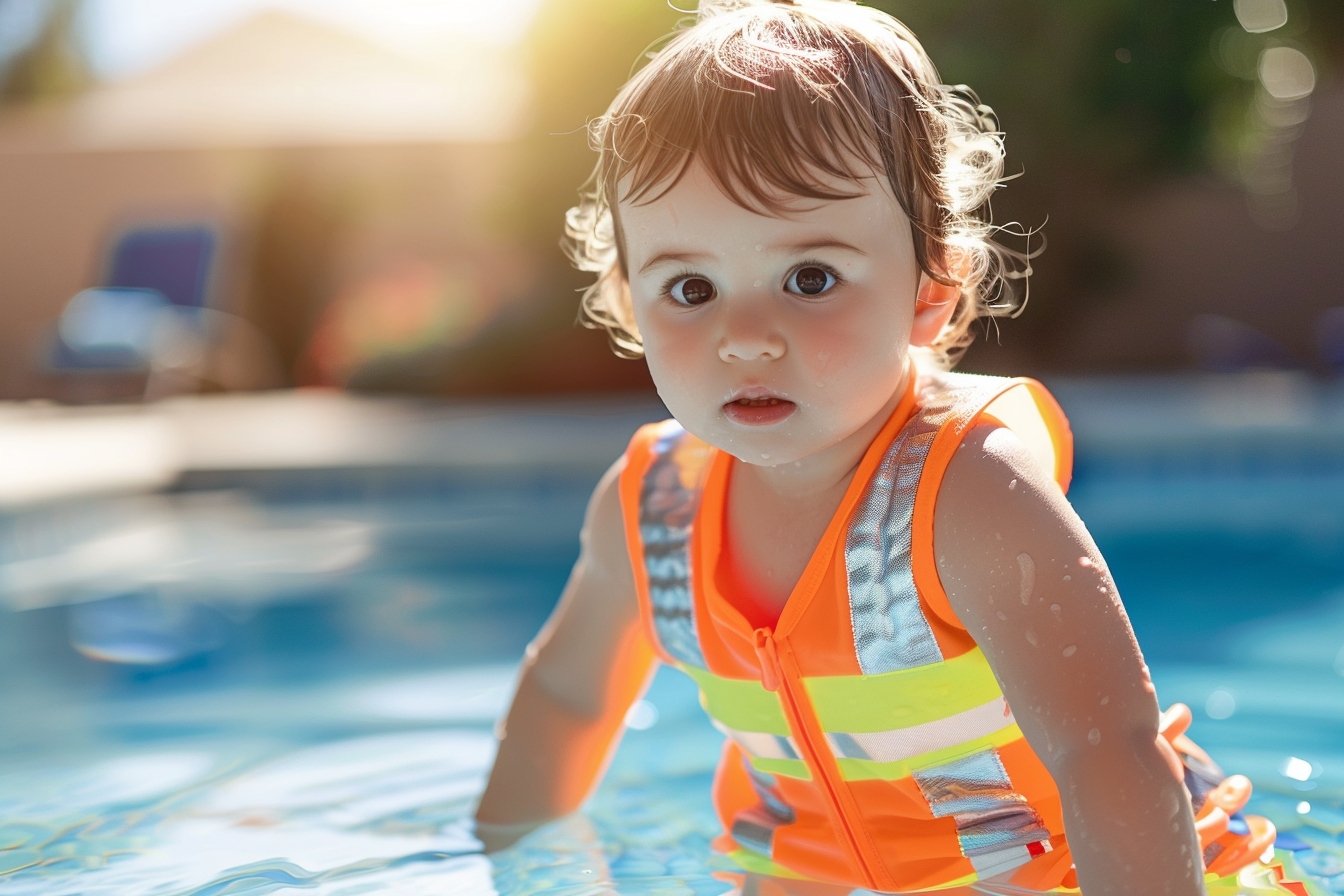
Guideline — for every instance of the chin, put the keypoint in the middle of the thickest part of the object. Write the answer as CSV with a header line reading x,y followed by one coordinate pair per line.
x,y
762,452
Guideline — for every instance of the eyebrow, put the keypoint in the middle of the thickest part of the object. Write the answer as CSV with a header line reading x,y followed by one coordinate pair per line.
x,y
794,248
665,257
824,243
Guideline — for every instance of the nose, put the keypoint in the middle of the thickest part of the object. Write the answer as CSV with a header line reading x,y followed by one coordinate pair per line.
x,y
749,332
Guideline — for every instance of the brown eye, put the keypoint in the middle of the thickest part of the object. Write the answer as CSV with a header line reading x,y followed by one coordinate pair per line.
x,y
691,291
810,280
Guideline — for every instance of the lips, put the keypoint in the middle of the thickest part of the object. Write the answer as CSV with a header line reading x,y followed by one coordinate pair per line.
x,y
758,409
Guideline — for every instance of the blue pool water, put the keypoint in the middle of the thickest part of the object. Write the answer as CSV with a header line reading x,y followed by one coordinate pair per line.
x,y
283,679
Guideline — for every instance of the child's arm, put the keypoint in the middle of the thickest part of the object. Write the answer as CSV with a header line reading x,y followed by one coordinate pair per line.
x,y
1022,573
581,674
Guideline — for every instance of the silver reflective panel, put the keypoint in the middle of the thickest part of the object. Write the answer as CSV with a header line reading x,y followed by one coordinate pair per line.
x,y
890,631
977,793
755,828
767,788
759,744
666,511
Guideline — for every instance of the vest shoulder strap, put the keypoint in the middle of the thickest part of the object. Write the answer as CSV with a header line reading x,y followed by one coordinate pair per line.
x,y
951,404
660,492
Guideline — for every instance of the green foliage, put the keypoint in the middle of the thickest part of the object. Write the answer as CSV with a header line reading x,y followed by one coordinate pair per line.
x,y
1110,92
1117,90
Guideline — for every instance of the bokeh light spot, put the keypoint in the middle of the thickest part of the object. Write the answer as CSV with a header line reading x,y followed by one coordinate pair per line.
x,y
1259,16
1287,73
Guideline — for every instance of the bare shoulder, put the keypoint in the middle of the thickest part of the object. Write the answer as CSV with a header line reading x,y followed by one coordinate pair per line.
x,y
1004,536
994,472
604,550
1023,574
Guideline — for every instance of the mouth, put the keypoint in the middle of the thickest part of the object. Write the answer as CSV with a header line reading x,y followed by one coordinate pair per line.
x,y
760,409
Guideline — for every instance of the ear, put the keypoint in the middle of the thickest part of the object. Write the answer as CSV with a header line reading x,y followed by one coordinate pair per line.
x,y
934,305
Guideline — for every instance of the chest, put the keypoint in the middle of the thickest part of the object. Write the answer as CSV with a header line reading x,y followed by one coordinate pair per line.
x,y
771,540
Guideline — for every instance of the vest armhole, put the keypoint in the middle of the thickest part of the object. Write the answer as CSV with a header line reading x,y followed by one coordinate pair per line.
x,y
1031,412
638,459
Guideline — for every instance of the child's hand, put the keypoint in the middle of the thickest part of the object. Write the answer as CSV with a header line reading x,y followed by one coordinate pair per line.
x,y
1024,576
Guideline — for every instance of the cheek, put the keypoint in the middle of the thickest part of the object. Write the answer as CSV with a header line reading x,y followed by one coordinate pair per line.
x,y
859,344
672,356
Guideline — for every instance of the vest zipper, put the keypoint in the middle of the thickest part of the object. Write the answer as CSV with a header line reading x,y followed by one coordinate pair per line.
x,y
768,655
773,679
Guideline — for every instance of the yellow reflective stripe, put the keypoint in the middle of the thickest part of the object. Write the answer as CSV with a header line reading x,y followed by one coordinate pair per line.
x,y
959,882
754,862
868,769
789,768
862,704
740,704
903,743
866,703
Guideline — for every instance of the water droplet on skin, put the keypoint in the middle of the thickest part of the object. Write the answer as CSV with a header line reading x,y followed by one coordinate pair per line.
x,y
942,559
1031,637
1002,615
759,247
1028,580
756,284
1068,578
1094,736
1071,650
1057,610
765,456
1012,485
1148,680
1085,562
1105,700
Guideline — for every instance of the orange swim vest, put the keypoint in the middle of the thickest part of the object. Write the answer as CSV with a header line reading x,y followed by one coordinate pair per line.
x,y
869,743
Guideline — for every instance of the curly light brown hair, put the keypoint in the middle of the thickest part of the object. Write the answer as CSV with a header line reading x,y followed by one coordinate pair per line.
x,y
773,98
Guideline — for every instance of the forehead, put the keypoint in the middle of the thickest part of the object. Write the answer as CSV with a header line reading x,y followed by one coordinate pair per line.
x,y
695,216
698,204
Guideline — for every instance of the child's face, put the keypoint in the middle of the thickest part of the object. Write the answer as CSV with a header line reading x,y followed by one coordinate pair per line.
x,y
774,338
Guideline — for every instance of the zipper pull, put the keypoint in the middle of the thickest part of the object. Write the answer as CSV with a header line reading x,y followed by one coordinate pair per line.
x,y
769,658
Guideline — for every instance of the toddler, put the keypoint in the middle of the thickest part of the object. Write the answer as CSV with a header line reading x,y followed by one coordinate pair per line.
x,y
923,671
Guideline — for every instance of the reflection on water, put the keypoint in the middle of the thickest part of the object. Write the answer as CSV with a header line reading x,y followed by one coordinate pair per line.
x,y
198,823
251,812
285,682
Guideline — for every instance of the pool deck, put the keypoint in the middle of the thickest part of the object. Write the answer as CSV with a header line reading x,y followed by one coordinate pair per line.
x,y
49,452
1244,428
